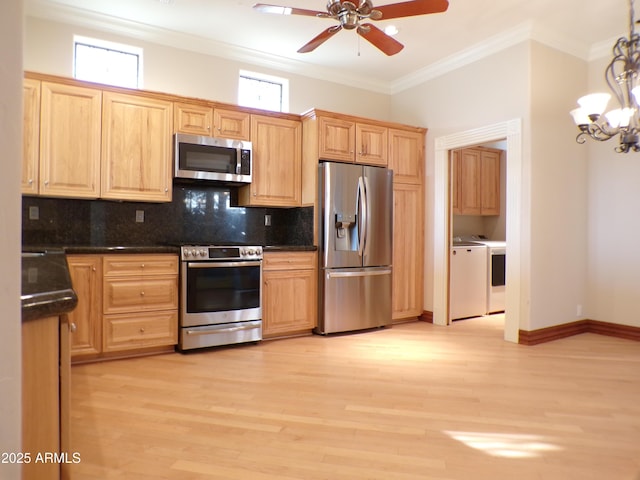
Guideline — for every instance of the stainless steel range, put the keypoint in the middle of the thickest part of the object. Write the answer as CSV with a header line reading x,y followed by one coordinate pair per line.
x,y
220,295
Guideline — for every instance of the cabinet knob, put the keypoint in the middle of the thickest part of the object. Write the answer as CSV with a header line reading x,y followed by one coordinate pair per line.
x,y
46,183
142,293
73,327
93,269
31,181
141,329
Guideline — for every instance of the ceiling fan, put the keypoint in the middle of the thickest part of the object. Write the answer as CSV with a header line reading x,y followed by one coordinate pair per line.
x,y
350,16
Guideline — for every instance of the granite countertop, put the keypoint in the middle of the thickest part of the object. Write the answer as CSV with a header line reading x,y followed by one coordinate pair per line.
x,y
46,285
290,248
102,249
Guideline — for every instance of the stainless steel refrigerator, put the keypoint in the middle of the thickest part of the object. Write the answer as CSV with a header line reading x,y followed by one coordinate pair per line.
x,y
355,231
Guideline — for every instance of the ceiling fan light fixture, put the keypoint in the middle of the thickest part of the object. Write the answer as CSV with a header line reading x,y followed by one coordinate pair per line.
x,y
391,30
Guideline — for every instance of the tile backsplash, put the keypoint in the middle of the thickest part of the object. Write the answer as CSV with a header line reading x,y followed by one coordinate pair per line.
x,y
197,214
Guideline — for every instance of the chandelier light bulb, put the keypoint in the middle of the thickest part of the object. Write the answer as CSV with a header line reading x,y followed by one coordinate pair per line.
x,y
580,117
594,104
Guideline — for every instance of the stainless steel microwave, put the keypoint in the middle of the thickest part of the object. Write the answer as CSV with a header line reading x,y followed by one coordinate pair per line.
x,y
208,158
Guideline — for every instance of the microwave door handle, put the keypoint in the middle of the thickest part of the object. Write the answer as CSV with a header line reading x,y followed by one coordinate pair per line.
x,y
238,162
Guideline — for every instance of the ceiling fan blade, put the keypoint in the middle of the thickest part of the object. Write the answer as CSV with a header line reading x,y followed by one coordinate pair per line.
x,y
379,39
409,9
320,39
279,10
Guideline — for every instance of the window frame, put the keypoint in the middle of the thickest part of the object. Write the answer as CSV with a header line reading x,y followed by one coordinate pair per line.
x,y
262,77
110,46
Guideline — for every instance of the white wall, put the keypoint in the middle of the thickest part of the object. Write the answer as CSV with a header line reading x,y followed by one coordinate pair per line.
x,y
613,229
559,207
11,141
49,49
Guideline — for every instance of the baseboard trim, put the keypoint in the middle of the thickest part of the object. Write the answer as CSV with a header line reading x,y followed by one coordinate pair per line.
x,y
543,335
426,316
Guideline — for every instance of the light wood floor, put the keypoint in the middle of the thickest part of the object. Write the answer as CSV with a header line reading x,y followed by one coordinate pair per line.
x,y
415,401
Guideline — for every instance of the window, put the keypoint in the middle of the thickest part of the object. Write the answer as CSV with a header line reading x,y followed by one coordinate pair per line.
x,y
107,62
263,91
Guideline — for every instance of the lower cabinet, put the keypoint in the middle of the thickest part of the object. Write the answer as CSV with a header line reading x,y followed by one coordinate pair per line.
x,y
45,399
289,296
127,304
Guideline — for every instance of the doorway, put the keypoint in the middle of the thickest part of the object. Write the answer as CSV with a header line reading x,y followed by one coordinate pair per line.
x,y
510,130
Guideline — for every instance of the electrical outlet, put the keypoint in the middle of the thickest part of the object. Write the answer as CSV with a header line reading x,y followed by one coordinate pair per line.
x,y
139,216
578,310
267,220
34,213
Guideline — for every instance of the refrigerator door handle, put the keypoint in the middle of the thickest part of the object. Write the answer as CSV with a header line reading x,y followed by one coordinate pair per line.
x,y
362,217
386,271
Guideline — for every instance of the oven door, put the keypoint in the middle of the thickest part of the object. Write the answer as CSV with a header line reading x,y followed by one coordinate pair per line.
x,y
220,292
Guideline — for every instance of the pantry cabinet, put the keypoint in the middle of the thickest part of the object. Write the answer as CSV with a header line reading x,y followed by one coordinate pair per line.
x,y
127,304
289,293
136,148
406,155
70,127
408,248
198,119
476,181
277,163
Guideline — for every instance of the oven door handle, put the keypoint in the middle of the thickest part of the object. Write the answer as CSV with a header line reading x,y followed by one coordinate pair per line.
x,y
255,263
222,330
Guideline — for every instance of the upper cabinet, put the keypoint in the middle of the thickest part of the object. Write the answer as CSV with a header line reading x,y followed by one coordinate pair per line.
x,y
136,148
31,136
406,155
476,181
344,140
70,128
277,159
205,120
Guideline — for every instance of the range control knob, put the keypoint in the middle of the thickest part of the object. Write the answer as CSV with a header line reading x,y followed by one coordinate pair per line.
x,y
203,252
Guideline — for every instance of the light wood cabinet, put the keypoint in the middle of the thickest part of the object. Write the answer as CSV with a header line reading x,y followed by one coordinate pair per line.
x,y
86,277
406,155
348,141
136,148
289,293
408,248
476,181
231,124
70,126
30,136
139,301
45,397
127,304
205,120
277,163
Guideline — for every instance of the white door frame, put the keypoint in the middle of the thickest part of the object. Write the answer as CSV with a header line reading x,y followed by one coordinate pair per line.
x,y
512,131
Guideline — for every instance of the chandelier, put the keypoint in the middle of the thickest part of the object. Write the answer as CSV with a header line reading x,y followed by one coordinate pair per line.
x,y
622,76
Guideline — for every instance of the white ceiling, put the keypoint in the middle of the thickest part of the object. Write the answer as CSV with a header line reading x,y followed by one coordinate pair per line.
x,y
467,30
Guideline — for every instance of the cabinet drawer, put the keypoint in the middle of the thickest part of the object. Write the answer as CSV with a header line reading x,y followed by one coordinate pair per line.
x,y
127,331
289,260
117,265
137,294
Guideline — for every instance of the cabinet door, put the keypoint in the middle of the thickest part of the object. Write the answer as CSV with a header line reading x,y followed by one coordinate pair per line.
x,y
406,155
490,182
192,119
277,163
289,301
136,148
469,181
372,142
336,139
408,214
231,124
86,278
30,136
455,187
70,128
